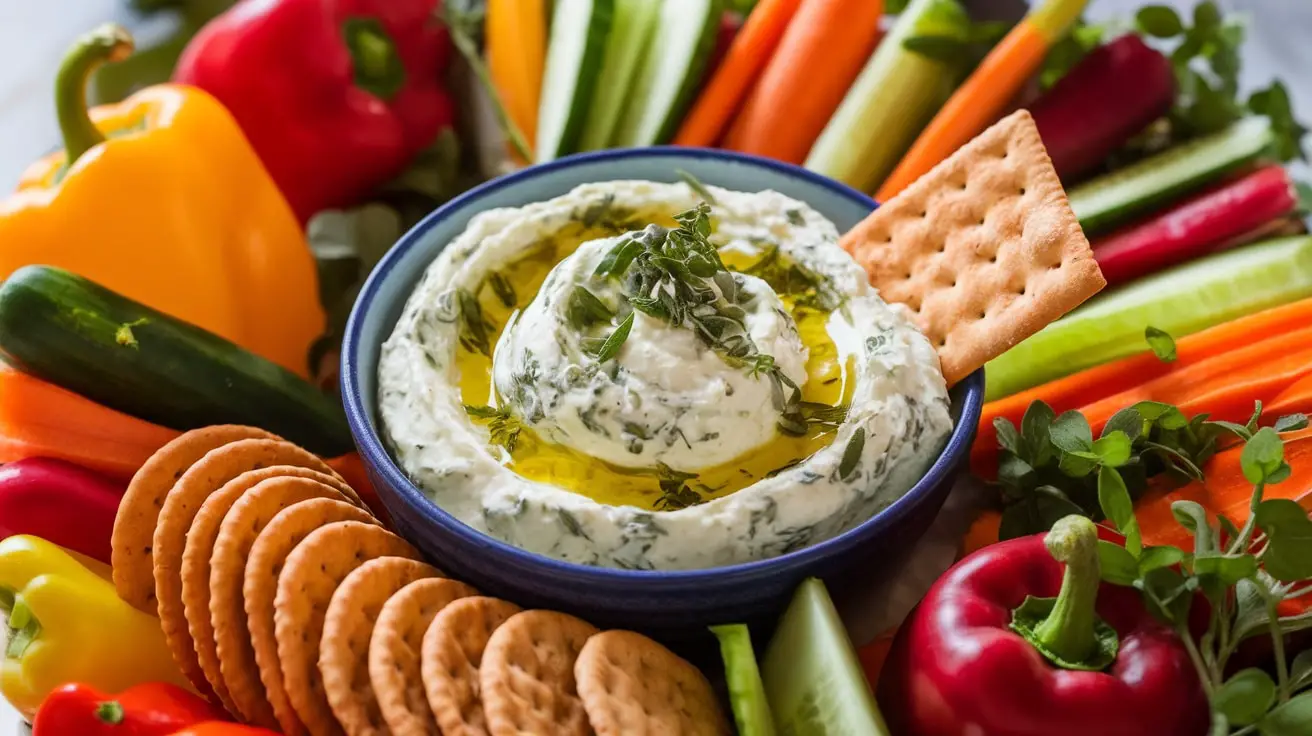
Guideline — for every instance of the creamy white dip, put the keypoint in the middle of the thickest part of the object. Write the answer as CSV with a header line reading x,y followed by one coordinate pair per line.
x,y
664,399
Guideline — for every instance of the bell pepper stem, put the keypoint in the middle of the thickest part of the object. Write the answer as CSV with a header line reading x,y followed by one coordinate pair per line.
x,y
377,65
1069,630
110,712
110,42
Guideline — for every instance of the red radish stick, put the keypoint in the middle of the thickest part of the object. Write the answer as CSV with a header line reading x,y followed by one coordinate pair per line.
x,y
1112,94
1204,223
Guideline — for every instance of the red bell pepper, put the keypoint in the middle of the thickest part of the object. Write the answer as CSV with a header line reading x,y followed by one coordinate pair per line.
x,y
59,502
217,728
336,97
149,709
989,652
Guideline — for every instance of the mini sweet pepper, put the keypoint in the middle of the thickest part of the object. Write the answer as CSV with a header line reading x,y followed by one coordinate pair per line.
x,y
147,709
61,503
67,624
991,652
160,198
336,97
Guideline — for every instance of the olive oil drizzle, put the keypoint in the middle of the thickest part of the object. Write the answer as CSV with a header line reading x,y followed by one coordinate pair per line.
x,y
824,397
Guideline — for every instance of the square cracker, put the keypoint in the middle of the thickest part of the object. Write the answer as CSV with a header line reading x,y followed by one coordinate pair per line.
x,y
984,249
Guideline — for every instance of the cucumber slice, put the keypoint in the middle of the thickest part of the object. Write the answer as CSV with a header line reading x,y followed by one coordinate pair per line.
x,y
1180,300
575,49
812,679
630,34
1140,187
671,72
751,711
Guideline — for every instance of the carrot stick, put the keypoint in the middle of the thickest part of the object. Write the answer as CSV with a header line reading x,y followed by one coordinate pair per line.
x,y
1223,490
1295,399
983,531
985,95
821,52
516,39
1224,386
742,65
1087,387
38,419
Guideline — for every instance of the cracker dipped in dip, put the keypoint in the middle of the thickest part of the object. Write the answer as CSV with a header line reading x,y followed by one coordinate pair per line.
x,y
658,376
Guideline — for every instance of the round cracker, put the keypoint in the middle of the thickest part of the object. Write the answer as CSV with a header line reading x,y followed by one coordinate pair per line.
x,y
138,512
394,649
450,656
268,555
203,478
348,627
630,684
527,675
305,588
196,561
241,526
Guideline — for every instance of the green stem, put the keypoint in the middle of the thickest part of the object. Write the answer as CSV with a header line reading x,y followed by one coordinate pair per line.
x,y
110,42
1069,630
1246,534
1204,676
469,50
1277,645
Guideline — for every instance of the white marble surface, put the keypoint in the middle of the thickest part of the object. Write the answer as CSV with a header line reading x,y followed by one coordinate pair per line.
x,y
38,33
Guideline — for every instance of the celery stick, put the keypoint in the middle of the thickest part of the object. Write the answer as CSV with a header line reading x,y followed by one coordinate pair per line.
x,y
630,34
751,712
895,96
1181,300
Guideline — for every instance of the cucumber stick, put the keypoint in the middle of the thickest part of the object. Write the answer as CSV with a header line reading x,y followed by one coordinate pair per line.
x,y
575,50
894,97
812,679
751,711
80,336
670,73
1180,301
630,34
1144,185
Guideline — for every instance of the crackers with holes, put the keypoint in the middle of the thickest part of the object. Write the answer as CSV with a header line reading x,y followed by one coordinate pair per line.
x,y
984,249
306,585
196,561
527,675
394,651
630,684
249,514
134,524
206,476
450,657
348,626
268,556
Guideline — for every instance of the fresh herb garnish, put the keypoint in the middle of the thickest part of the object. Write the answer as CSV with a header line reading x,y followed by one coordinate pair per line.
x,y
696,185
503,427
585,309
474,327
1162,344
608,348
1244,574
852,454
787,277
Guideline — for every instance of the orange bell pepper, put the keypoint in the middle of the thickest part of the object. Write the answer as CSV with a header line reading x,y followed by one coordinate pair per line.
x,y
161,199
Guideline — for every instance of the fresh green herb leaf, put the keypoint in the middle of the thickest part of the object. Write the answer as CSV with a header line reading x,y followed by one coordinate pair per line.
x,y
503,427
1113,449
1117,564
1038,509
675,492
1304,191
1288,555
503,290
1114,498
1070,432
1008,438
1245,697
610,347
1155,557
474,328
696,185
1162,344
1290,718
585,309
1159,21
1262,456
1290,423
852,454
1168,594
1192,516
1227,569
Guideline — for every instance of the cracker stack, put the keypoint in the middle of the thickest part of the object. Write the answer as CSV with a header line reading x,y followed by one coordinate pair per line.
x,y
285,599
984,249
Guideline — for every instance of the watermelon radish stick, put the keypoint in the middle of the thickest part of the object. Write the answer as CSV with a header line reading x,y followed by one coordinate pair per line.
x,y
1115,92
1201,224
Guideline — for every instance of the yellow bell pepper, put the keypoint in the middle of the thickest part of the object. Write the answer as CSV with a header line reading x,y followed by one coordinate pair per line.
x,y
161,199
67,624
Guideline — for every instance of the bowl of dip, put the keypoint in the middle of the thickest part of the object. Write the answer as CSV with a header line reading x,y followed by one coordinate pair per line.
x,y
647,387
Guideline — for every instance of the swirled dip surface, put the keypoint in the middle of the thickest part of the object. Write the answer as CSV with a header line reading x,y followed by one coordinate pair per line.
x,y
591,379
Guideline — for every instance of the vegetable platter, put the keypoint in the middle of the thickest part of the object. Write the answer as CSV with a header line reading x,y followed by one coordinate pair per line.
x,y
1127,553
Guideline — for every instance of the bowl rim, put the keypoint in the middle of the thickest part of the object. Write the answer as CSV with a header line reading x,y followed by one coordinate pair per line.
x,y
369,441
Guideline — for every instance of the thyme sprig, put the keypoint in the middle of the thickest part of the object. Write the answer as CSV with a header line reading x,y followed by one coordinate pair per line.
x,y
503,426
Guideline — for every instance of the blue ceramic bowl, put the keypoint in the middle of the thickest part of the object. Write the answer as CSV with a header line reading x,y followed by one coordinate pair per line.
x,y
667,604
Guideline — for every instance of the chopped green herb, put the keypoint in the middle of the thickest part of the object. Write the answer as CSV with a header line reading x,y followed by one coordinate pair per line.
x,y
502,288
852,454
502,425
795,218
585,309
675,493
474,328
610,347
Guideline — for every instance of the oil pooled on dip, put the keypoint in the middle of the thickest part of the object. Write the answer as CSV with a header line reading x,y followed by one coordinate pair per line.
x,y
509,290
